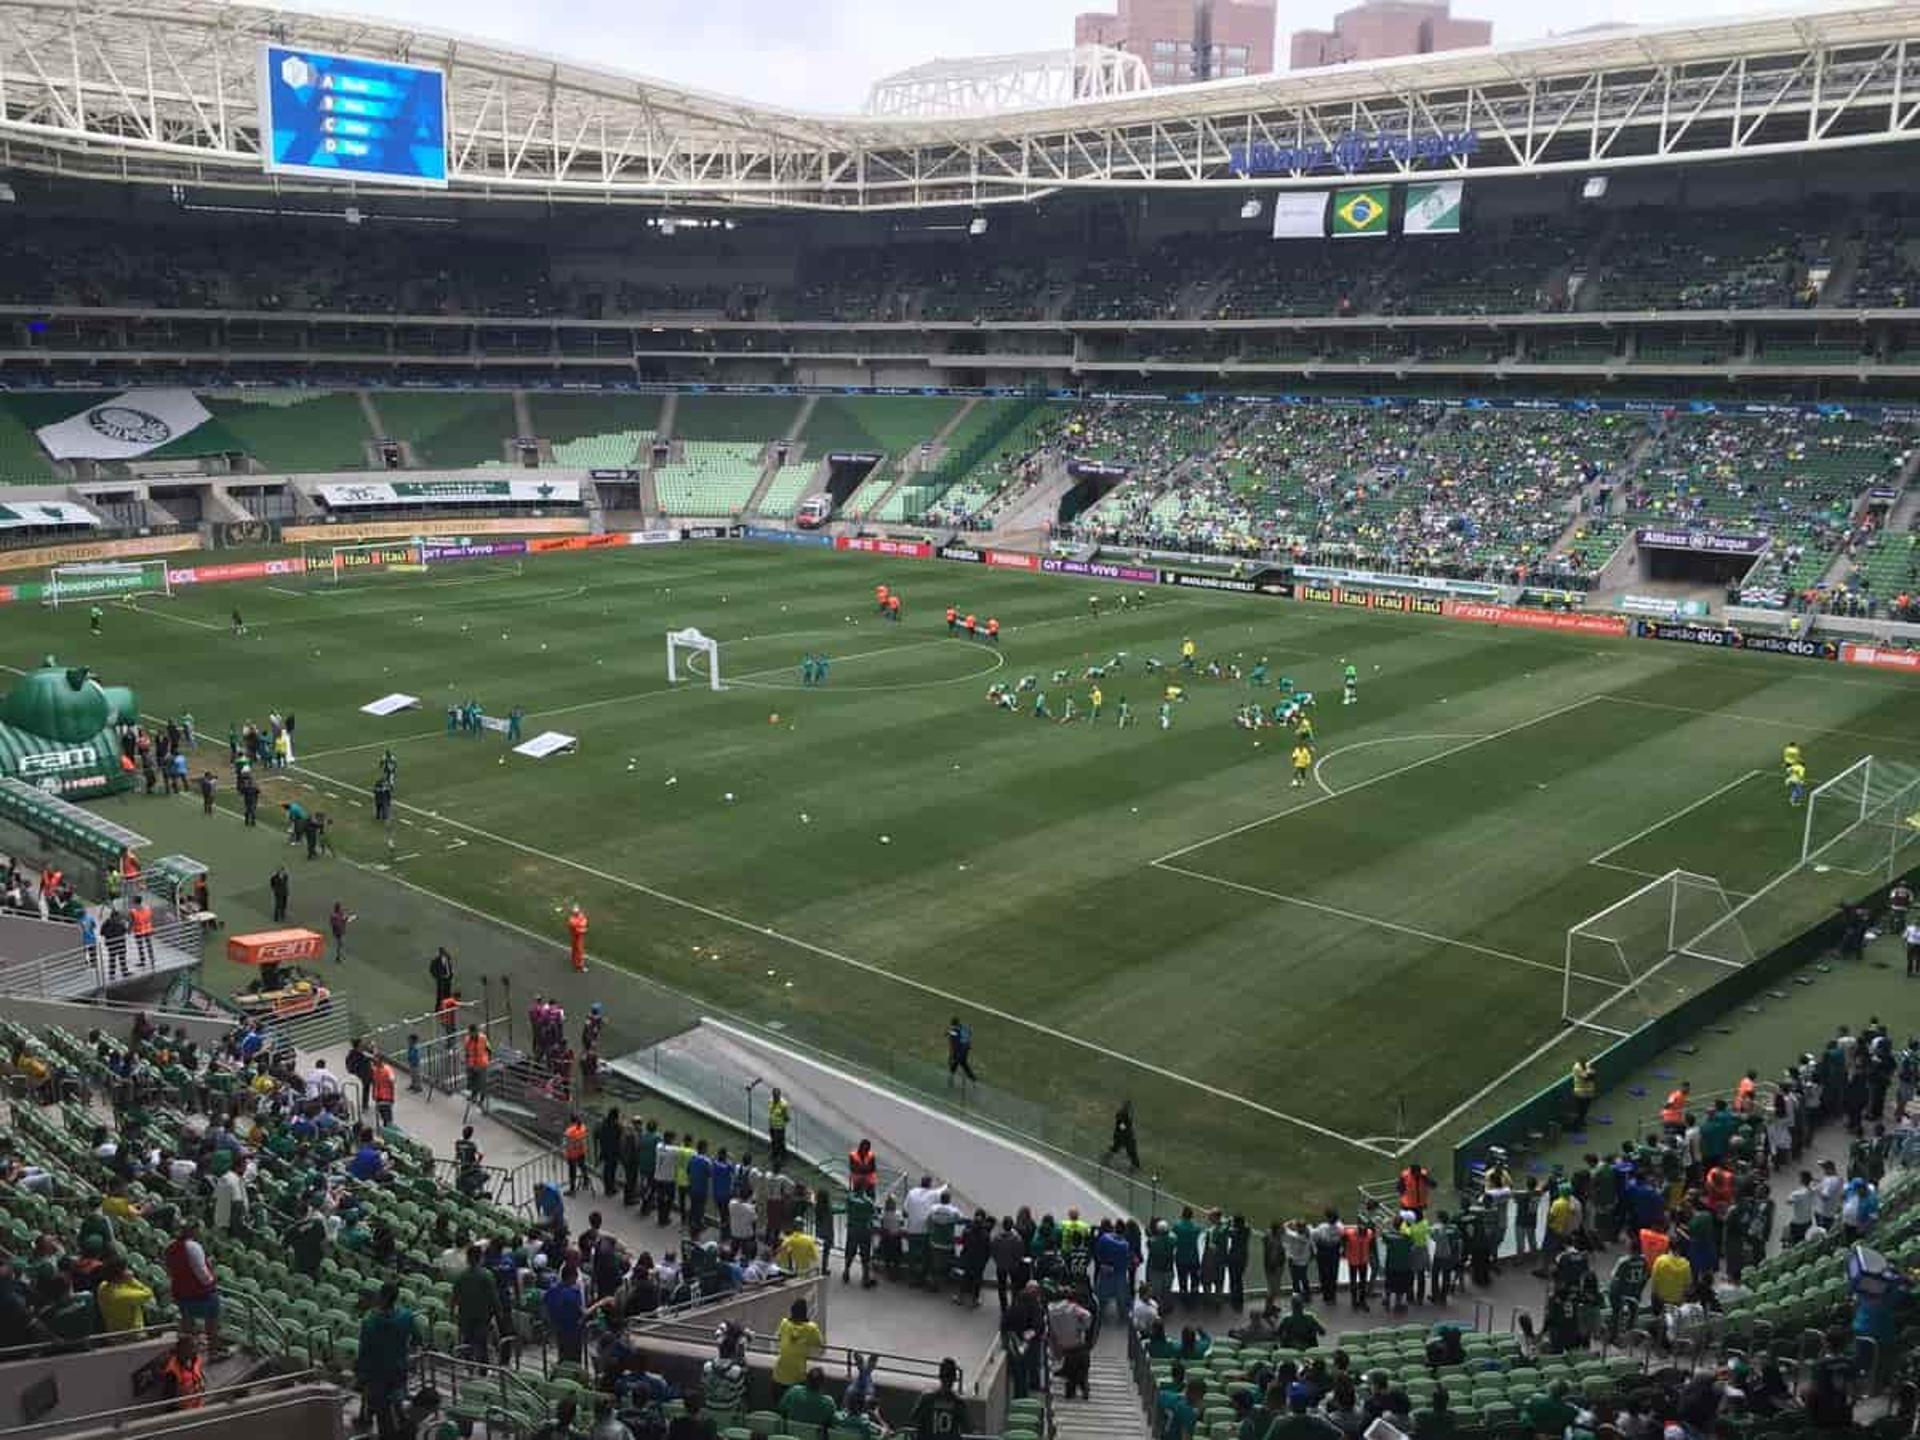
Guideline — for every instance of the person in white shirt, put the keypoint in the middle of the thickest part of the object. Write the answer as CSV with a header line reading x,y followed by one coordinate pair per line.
x,y
229,1201
666,1160
322,1083
1068,1327
1145,1314
919,1205
742,1220
1828,1195
1800,1209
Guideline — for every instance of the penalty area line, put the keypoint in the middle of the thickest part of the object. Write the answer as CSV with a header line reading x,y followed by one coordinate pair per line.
x,y
1638,835
1377,922
950,997
1384,775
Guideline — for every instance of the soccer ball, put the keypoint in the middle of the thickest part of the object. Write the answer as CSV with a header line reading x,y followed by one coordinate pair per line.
x,y
673,779
886,839
543,644
728,797
805,819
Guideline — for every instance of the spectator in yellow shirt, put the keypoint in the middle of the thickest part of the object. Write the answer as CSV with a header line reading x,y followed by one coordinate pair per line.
x,y
799,1252
1672,1279
122,1299
796,1342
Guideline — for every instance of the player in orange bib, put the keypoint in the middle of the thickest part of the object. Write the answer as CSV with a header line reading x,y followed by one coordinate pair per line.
x,y
577,935
880,594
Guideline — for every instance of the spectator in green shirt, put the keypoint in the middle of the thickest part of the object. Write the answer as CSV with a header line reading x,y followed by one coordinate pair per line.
x,y
1186,1252
808,1402
476,1306
1180,1414
69,1314
386,1335
1299,1329
1547,1412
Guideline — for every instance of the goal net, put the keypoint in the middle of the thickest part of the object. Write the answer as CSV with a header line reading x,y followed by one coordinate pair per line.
x,y
106,580
1863,820
1648,951
690,642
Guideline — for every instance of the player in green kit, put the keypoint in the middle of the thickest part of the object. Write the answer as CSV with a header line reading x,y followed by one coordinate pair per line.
x,y
1040,711
820,669
1067,715
94,616
1350,681
1166,714
1027,682
806,668
1259,673
1126,714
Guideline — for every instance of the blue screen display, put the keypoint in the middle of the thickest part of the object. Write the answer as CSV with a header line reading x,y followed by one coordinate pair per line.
x,y
343,116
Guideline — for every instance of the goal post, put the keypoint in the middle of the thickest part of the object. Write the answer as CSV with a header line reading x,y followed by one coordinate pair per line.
x,y
106,580
694,643
1862,820
1651,948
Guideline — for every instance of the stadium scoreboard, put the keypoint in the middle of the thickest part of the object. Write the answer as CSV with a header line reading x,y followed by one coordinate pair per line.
x,y
350,117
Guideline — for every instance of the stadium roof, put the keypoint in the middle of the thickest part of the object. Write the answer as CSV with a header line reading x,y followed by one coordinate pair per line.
x,y
167,94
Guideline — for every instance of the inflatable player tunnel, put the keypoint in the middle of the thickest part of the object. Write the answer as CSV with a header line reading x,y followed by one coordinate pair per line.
x,y
58,731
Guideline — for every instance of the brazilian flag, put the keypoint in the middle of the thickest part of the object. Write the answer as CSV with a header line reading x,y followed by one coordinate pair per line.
x,y
1360,212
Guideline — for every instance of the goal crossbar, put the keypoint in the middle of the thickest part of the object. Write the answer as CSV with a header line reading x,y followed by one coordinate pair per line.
x,y
106,580
694,643
1862,819
1680,913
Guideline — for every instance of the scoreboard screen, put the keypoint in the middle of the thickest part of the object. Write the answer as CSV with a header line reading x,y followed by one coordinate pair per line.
x,y
348,117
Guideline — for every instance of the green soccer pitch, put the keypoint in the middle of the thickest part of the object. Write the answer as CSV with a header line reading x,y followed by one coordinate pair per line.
x,y
1298,988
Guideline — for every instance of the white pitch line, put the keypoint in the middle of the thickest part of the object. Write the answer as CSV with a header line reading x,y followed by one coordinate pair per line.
x,y
1376,921
1637,835
1383,740
176,619
1377,779
966,1002
1803,727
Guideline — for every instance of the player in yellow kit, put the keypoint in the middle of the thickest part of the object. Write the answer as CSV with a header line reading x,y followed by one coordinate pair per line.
x,y
1094,697
1187,651
1302,763
1791,756
1796,784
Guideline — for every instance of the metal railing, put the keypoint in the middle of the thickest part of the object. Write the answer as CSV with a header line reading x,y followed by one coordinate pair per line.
x,y
79,972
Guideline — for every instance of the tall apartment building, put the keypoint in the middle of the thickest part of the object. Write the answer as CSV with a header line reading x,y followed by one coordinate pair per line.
x,y
1187,40
1383,29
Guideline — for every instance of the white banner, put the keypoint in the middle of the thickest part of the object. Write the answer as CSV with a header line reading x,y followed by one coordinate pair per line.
x,y
391,704
479,490
1433,209
21,514
129,425
547,742
1298,216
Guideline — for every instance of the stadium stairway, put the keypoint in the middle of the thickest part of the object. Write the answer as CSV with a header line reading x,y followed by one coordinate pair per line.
x,y
1113,1410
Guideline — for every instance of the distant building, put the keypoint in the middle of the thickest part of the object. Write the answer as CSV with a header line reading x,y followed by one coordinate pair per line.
x,y
1187,40
1382,29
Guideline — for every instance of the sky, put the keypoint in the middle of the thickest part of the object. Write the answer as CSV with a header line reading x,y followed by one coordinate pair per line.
x,y
822,55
